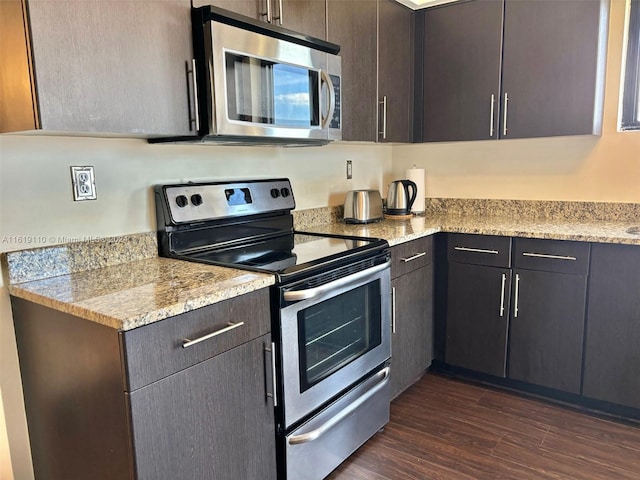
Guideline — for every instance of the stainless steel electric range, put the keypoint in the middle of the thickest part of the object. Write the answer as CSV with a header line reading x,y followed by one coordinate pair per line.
x,y
331,311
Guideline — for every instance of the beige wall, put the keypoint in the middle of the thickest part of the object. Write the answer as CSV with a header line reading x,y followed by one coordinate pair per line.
x,y
581,168
36,204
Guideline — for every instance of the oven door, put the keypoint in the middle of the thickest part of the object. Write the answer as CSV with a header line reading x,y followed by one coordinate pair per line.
x,y
332,335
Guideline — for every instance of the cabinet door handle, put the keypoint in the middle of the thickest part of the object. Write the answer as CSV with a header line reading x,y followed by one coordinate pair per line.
x,y
546,255
516,295
194,85
231,326
504,118
493,108
476,250
274,388
383,102
279,17
413,257
393,309
268,13
504,284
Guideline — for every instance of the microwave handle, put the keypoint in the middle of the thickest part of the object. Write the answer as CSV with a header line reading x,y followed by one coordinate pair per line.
x,y
324,78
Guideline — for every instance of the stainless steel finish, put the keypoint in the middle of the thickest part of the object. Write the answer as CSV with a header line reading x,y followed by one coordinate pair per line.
x,y
504,118
399,199
363,206
316,433
214,203
314,460
194,90
413,257
300,403
393,309
310,293
493,107
476,250
232,326
504,283
517,293
220,38
324,77
274,382
384,117
268,12
545,255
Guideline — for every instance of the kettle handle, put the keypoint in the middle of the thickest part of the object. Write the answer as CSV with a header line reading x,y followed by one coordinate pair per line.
x,y
414,192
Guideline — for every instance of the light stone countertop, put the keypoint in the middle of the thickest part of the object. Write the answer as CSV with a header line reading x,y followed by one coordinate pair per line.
x,y
399,231
137,293
143,288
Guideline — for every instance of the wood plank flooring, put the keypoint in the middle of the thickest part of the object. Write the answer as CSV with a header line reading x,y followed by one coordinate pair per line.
x,y
445,429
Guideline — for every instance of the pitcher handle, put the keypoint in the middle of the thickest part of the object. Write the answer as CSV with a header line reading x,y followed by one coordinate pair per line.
x,y
414,192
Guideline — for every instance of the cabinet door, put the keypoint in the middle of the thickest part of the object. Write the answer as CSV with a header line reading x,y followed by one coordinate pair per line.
x,y
212,420
612,356
547,327
550,67
117,67
395,71
412,339
256,9
462,48
478,318
304,16
352,24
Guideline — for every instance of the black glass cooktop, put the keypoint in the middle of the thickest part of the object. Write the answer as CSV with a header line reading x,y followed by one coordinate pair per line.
x,y
289,253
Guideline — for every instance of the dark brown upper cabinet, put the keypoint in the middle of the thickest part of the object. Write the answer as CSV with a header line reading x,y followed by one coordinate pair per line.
x,y
511,69
376,39
117,67
304,16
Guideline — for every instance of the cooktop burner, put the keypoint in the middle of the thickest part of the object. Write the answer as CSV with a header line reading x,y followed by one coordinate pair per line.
x,y
247,225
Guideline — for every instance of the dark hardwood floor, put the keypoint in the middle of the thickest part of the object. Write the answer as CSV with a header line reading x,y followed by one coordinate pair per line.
x,y
450,430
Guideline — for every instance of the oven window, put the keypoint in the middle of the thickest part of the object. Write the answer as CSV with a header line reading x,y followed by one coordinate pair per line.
x,y
335,332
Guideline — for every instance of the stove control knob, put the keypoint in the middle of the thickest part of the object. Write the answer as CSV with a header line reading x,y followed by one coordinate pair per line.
x,y
275,193
285,192
196,199
182,201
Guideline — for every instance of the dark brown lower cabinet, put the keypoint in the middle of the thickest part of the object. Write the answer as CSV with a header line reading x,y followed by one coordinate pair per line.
x,y
478,318
210,421
547,327
140,404
412,340
612,352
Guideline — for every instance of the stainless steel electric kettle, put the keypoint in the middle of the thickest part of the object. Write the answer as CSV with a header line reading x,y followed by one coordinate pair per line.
x,y
399,199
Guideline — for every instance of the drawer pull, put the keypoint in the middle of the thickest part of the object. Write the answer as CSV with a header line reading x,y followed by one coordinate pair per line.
x,y
476,250
413,257
516,296
189,343
544,255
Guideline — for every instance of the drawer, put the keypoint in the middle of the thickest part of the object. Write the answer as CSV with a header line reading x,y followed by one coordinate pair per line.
x,y
409,256
552,255
489,250
154,351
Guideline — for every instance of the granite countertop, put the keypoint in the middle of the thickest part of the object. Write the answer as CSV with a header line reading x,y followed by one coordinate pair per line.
x,y
122,283
399,231
137,293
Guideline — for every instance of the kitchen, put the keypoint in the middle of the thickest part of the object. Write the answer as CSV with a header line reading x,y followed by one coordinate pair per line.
x,y
35,173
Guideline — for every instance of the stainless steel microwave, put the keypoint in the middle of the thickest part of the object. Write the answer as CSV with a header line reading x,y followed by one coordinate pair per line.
x,y
258,83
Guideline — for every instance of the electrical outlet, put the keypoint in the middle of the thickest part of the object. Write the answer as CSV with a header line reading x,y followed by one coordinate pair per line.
x,y
84,183
349,170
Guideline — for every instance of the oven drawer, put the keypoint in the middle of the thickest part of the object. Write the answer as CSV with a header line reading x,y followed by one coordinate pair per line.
x,y
155,351
327,439
488,250
409,256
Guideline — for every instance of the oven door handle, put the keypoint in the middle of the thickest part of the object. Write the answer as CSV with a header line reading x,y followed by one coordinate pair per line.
x,y
297,295
325,427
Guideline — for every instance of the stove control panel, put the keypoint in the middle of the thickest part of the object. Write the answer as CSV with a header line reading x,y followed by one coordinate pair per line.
x,y
194,202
